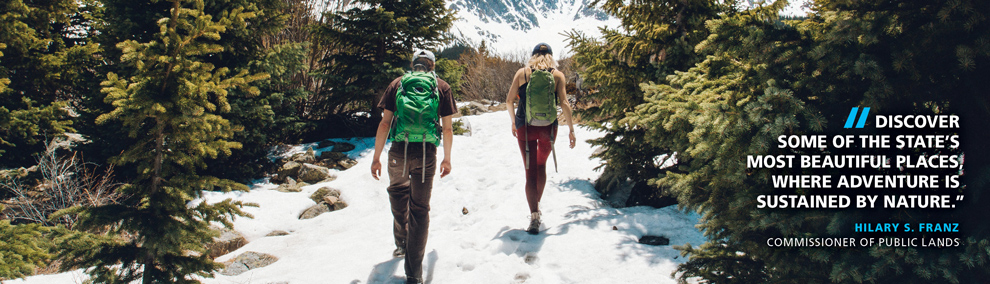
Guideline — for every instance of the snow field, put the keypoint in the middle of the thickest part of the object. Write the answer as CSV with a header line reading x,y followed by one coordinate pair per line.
x,y
488,245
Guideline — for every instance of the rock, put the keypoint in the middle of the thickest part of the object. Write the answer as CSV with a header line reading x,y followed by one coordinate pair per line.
x,y
473,108
498,107
465,211
289,169
314,211
228,241
333,156
343,147
323,192
291,186
654,240
346,163
247,261
307,157
326,143
340,204
277,233
330,200
312,173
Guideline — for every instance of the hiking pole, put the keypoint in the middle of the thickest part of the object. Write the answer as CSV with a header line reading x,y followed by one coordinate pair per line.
x,y
554,152
526,139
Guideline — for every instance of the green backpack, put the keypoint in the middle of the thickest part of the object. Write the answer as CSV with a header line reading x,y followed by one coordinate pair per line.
x,y
541,99
416,105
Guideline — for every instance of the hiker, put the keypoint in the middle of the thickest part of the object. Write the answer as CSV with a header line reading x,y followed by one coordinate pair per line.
x,y
540,88
416,102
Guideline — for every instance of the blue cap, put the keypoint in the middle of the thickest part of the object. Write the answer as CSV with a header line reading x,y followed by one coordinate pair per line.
x,y
542,48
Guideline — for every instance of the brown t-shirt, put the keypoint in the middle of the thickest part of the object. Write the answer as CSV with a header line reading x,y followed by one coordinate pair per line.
x,y
446,106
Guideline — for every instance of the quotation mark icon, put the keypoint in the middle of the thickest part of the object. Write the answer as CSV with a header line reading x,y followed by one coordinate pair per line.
x,y
852,117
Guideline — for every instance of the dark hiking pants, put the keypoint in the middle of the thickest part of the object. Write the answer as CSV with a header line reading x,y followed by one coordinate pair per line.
x,y
409,195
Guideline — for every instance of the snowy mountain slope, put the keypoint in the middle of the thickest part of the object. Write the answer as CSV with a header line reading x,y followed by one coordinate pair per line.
x,y
514,27
487,245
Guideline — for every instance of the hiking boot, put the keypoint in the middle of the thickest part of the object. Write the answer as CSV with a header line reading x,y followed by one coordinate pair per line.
x,y
399,252
534,224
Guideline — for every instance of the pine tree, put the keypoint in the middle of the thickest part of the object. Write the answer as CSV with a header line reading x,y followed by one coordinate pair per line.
x,y
657,38
765,77
170,104
374,42
21,250
45,69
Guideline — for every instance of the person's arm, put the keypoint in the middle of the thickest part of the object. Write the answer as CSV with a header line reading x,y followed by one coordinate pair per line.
x,y
564,104
448,138
383,127
510,98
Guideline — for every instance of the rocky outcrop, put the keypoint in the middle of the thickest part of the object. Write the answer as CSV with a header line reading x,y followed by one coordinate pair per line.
x,y
228,241
313,174
327,199
473,108
247,261
291,186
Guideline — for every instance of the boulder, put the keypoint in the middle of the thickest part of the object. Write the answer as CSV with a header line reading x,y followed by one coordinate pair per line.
x,y
343,147
247,261
314,211
346,163
498,107
312,173
473,108
291,186
289,169
318,196
332,156
337,205
228,241
306,157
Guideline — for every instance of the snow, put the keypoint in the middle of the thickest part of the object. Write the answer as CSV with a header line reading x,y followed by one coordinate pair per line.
x,y
487,245
550,28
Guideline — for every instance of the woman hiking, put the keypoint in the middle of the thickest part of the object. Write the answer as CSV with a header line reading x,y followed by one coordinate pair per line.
x,y
539,88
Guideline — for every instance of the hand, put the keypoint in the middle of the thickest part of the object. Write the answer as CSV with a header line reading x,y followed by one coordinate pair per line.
x,y
573,139
444,168
376,169
514,130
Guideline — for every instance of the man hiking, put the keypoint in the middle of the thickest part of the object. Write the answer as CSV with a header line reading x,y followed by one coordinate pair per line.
x,y
418,103
540,88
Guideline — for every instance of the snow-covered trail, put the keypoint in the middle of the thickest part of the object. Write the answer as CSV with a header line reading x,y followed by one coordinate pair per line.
x,y
486,245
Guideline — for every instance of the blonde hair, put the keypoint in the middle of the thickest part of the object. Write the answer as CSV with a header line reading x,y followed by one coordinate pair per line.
x,y
542,61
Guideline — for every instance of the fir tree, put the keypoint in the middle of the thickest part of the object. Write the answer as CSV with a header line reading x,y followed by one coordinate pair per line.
x,y
656,39
46,67
765,77
170,105
374,43
21,250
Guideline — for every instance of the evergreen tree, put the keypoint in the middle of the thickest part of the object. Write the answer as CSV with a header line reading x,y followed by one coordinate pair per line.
x,y
45,68
374,42
657,39
170,105
21,250
453,73
765,77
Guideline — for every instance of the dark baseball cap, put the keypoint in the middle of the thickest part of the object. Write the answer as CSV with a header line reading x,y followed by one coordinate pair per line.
x,y
542,48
